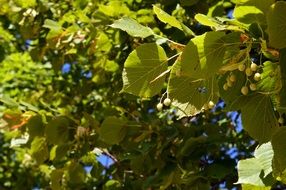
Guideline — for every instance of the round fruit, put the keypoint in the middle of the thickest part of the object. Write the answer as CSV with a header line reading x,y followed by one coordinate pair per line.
x,y
244,90
229,83
253,67
160,107
248,72
211,104
232,78
252,86
167,102
241,67
225,86
257,76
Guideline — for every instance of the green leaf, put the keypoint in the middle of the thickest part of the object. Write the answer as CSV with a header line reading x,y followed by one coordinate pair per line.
x,y
141,69
26,3
279,171
282,93
207,21
217,9
75,174
53,25
258,117
166,18
264,154
132,27
55,28
270,77
190,94
9,101
29,106
218,24
250,170
39,149
276,19
59,151
279,147
103,43
252,106
253,187
35,126
250,11
114,8
56,179
248,14
58,131
205,54
112,130
112,185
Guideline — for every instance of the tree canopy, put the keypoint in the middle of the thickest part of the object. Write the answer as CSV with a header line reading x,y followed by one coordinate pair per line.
x,y
141,94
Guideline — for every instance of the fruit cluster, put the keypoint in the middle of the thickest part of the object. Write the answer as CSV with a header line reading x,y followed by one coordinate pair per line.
x,y
166,102
252,75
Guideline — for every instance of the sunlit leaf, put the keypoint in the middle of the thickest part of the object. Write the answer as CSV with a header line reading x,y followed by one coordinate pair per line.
x,y
112,185
132,27
9,101
270,77
53,25
254,187
190,94
205,20
250,170
59,151
141,67
250,11
205,54
114,8
166,18
39,149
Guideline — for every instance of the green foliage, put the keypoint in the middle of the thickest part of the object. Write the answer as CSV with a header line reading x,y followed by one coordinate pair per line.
x,y
63,64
